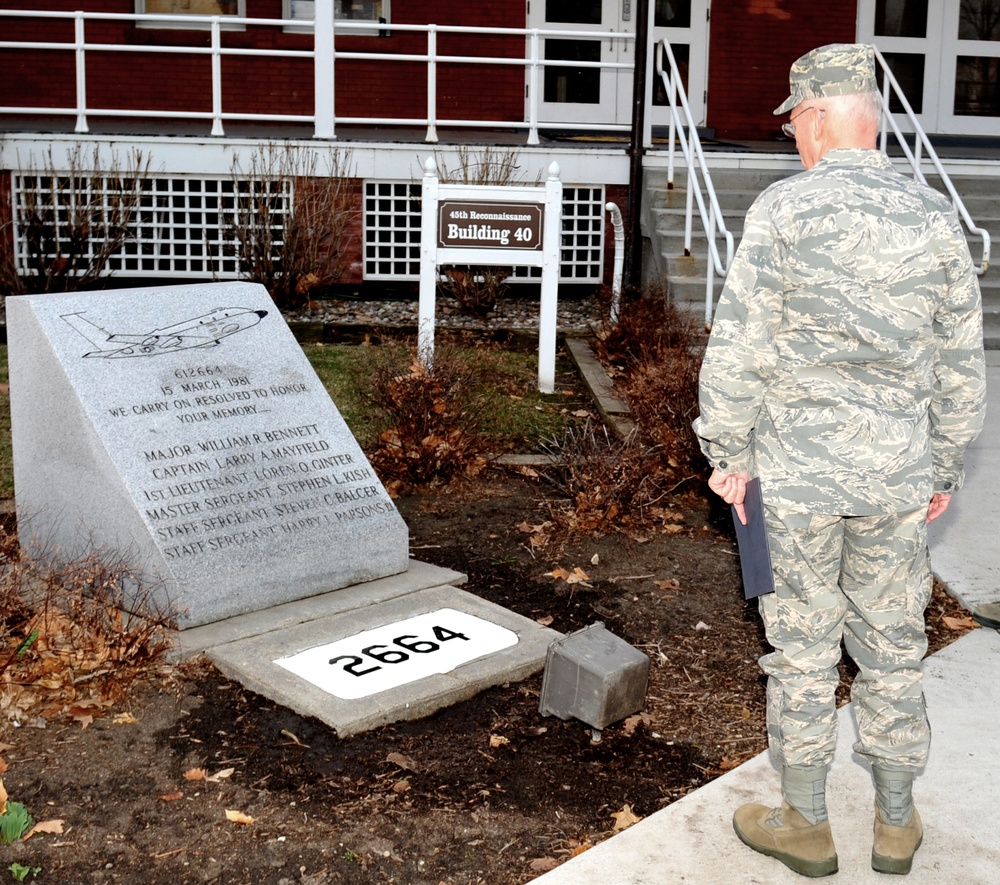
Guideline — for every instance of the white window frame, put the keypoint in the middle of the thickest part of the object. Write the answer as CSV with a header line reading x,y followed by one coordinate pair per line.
x,y
289,12
941,49
241,11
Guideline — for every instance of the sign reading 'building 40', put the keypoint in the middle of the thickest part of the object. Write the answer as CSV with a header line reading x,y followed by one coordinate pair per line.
x,y
464,224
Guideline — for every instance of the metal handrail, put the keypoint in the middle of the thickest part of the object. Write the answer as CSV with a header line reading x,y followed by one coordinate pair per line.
x,y
323,55
922,144
683,130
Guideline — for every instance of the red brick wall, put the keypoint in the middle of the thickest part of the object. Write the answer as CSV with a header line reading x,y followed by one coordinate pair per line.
x,y
45,78
752,45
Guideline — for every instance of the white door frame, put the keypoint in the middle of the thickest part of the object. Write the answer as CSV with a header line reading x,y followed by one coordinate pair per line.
x,y
615,106
696,37
941,48
615,84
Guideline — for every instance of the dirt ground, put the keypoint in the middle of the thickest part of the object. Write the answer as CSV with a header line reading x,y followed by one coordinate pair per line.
x,y
488,791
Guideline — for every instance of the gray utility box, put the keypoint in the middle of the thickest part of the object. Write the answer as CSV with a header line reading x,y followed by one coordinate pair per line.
x,y
594,676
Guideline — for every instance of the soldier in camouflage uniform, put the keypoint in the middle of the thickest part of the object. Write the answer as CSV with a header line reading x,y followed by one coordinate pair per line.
x,y
845,369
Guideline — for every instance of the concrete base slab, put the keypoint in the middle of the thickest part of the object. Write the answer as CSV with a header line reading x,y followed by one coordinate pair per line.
x,y
419,576
251,660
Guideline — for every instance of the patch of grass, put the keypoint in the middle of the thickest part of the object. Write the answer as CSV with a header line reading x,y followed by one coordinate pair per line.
x,y
341,369
519,418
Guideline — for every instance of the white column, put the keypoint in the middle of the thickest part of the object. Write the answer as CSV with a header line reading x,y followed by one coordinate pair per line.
x,y
217,129
323,72
81,75
547,313
428,264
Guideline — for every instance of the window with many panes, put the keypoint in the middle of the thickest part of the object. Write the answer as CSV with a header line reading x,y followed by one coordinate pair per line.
x,y
170,8
374,11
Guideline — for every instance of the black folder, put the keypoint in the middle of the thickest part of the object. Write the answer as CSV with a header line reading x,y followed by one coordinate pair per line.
x,y
755,555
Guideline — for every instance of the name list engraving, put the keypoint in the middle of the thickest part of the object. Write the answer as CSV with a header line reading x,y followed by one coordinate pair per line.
x,y
256,478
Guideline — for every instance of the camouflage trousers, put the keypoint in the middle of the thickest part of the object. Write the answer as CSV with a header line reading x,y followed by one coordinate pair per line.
x,y
863,581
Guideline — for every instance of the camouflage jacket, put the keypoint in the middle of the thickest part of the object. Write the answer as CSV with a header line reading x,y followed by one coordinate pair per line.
x,y
845,366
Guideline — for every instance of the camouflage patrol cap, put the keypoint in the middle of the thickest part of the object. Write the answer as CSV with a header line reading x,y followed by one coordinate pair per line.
x,y
836,69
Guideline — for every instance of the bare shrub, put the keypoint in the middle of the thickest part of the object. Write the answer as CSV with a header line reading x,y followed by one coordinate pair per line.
x,y
77,634
649,323
654,355
71,221
290,221
477,288
433,416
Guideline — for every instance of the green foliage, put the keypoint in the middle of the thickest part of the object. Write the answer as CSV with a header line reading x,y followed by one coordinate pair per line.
x,y
14,822
20,872
27,642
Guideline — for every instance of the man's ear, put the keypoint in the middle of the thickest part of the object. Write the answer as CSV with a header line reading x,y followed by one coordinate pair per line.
x,y
819,122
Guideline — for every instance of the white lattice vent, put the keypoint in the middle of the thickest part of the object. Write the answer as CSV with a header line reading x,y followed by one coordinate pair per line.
x,y
183,224
181,227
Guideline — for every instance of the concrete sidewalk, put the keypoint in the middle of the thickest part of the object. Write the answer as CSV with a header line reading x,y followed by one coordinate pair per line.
x,y
692,840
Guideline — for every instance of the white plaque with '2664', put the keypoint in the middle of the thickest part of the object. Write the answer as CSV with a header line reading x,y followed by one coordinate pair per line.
x,y
396,654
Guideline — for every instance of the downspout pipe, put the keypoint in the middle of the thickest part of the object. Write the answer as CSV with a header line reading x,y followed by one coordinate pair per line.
x,y
633,234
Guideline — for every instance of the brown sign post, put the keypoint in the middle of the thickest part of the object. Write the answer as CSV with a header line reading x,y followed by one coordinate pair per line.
x,y
463,224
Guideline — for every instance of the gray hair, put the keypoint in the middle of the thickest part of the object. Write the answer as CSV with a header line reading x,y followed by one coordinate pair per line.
x,y
859,109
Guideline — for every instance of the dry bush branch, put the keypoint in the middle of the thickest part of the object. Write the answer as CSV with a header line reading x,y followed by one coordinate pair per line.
x,y
433,416
290,221
478,288
71,221
654,354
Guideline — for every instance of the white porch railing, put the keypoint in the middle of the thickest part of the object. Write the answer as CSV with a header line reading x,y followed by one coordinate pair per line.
x,y
324,56
683,129
921,146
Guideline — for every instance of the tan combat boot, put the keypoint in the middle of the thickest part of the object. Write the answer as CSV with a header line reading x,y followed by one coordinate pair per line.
x,y
784,834
895,846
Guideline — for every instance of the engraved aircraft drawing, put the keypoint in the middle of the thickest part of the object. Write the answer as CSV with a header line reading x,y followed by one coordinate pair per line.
x,y
199,332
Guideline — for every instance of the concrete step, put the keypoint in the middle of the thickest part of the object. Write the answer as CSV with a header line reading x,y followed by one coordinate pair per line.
x,y
737,188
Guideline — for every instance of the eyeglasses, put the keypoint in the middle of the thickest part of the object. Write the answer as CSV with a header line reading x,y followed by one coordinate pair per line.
x,y
789,127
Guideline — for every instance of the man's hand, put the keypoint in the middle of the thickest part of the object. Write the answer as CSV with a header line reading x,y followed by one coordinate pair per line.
x,y
939,503
732,488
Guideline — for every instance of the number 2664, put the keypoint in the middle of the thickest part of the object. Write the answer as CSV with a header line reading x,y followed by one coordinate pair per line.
x,y
386,654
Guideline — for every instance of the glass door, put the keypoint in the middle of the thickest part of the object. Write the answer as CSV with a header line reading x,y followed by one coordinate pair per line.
x,y
604,95
972,67
685,24
945,54
584,94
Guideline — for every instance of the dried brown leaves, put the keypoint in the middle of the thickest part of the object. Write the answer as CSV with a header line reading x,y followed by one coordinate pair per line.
x,y
433,415
69,648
